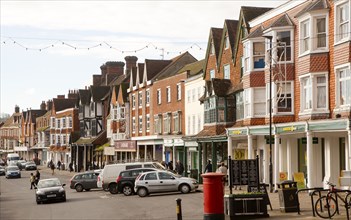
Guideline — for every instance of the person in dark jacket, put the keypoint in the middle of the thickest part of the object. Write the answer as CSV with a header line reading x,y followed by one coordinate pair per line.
x,y
179,168
170,165
208,167
37,177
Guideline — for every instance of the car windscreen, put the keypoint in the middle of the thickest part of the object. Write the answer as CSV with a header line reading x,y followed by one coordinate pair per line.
x,y
158,166
12,168
48,183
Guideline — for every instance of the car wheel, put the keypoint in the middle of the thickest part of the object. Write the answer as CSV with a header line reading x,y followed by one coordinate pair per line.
x,y
113,188
87,189
184,188
127,190
142,192
38,202
79,188
64,200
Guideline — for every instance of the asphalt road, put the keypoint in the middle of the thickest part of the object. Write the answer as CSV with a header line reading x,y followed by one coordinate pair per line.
x,y
17,201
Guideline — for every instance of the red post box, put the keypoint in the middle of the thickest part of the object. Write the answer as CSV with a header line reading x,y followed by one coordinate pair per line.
x,y
213,196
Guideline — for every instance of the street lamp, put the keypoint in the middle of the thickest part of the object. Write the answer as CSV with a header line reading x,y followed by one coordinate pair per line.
x,y
269,37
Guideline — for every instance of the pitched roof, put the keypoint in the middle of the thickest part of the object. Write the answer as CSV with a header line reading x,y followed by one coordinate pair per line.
x,y
99,92
313,6
61,104
210,131
231,26
36,113
250,13
258,32
193,68
174,67
153,67
221,86
282,21
84,96
10,121
124,87
217,37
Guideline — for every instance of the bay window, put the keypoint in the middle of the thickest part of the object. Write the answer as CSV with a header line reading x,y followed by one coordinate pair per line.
x,y
284,52
313,92
247,103
166,123
282,96
305,36
321,33
254,55
176,122
239,101
158,124
259,109
342,21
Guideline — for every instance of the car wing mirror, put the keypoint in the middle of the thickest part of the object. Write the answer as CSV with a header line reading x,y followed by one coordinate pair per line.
x,y
172,178
64,184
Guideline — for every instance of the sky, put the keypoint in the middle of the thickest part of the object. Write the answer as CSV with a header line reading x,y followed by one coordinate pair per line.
x,y
51,47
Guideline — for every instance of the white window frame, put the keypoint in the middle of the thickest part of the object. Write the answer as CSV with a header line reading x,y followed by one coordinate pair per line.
x,y
140,124
193,95
257,102
274,34
140,99
338,38
159,101
226,70
147,122
189,125
133,125
239,101
338,69
70,122
247,103
313,93
249,55
275,108
226,41
147,97
246,57
179,91
212,74
166,123
199,123
312,33
133,101
168,92
305,38
177,128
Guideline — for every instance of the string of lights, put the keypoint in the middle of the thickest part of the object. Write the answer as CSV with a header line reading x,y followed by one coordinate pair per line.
x,y
18,42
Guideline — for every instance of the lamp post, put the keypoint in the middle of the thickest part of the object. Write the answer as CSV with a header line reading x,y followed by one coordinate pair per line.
x,y
270,115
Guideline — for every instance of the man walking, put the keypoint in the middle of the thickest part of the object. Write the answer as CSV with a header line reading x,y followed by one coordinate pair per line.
x,y
179,168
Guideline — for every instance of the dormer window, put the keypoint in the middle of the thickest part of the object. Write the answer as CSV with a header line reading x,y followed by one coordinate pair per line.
x,y
212,49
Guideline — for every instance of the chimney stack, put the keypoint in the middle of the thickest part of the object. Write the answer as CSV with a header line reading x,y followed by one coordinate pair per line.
x,y
17,109
43,105
130,62
61,96
49,105
72,94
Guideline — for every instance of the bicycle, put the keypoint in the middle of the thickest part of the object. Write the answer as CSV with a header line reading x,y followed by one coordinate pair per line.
x,y
327,206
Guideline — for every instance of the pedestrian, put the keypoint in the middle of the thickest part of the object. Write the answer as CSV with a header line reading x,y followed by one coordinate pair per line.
x,y
32,181
52,167
170,165
223,170
37,177
208,167
59,165
70,165
179,168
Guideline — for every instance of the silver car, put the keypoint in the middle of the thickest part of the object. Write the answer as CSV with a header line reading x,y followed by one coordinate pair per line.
x,y
163,181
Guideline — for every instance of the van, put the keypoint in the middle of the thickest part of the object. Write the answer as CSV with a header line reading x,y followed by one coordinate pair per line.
x,y
108,177
12,158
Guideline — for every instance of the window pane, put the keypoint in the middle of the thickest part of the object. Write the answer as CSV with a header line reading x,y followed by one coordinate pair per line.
x,y
321,33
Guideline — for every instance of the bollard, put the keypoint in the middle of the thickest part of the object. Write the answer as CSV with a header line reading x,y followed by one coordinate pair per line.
x,y
179,209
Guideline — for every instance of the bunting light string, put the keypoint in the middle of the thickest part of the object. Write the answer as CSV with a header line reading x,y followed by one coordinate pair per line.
x,y
102,44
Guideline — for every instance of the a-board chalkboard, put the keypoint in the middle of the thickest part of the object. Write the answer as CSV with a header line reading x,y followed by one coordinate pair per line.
x,y
262,189
245,172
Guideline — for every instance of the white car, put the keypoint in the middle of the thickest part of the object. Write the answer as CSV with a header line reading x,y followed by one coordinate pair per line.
x,y
163,181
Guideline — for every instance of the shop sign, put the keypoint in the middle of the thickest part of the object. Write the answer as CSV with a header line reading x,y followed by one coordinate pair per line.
x,y
125,146
290,128
237,132
109,151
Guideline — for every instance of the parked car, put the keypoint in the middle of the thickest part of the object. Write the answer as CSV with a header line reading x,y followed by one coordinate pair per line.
x,y
107,178
50,190
126,179
85,181
163,181
2,162
12,171
30,166
21,164
2,171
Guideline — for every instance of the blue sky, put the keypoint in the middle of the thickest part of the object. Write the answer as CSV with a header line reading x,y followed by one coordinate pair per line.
x,y
29,76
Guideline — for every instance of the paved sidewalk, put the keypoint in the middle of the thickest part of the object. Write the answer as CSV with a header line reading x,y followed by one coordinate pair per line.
x,y
304,199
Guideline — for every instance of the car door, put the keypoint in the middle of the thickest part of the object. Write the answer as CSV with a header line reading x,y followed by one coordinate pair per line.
x,y
88,180
152,183
168,182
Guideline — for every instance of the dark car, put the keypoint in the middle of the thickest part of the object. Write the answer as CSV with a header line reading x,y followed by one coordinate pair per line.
x,y
50,190
126,179
30,166
12,172
85,181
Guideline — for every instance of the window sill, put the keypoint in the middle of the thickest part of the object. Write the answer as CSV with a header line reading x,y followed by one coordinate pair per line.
x,y
344,108
313,52
314,112
342,41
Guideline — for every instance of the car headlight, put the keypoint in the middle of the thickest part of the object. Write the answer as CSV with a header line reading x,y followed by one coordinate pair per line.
x,y
39,192
61,190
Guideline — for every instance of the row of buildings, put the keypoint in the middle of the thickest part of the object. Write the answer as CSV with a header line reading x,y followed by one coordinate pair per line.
x,y
273,83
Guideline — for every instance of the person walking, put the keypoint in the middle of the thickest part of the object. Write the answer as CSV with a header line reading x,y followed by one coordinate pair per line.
x,y
208,167
179,168
37,177
223,170
32,181
52,167
59,165
170,165
70,166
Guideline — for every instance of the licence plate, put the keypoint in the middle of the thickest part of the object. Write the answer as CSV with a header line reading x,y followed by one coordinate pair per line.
x,y
50,196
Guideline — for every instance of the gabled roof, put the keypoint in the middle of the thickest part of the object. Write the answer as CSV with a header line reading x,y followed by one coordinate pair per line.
x,y
174,67
153,67
215,36
314,6
84,96
99,92
61,104
230,27
9,122
246,14
36,113
258,32
282,21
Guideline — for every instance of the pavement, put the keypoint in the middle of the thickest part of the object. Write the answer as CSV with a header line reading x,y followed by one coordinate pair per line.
x,y
276,213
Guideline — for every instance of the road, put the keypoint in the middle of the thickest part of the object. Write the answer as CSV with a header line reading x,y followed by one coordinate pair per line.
x,y
17,201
